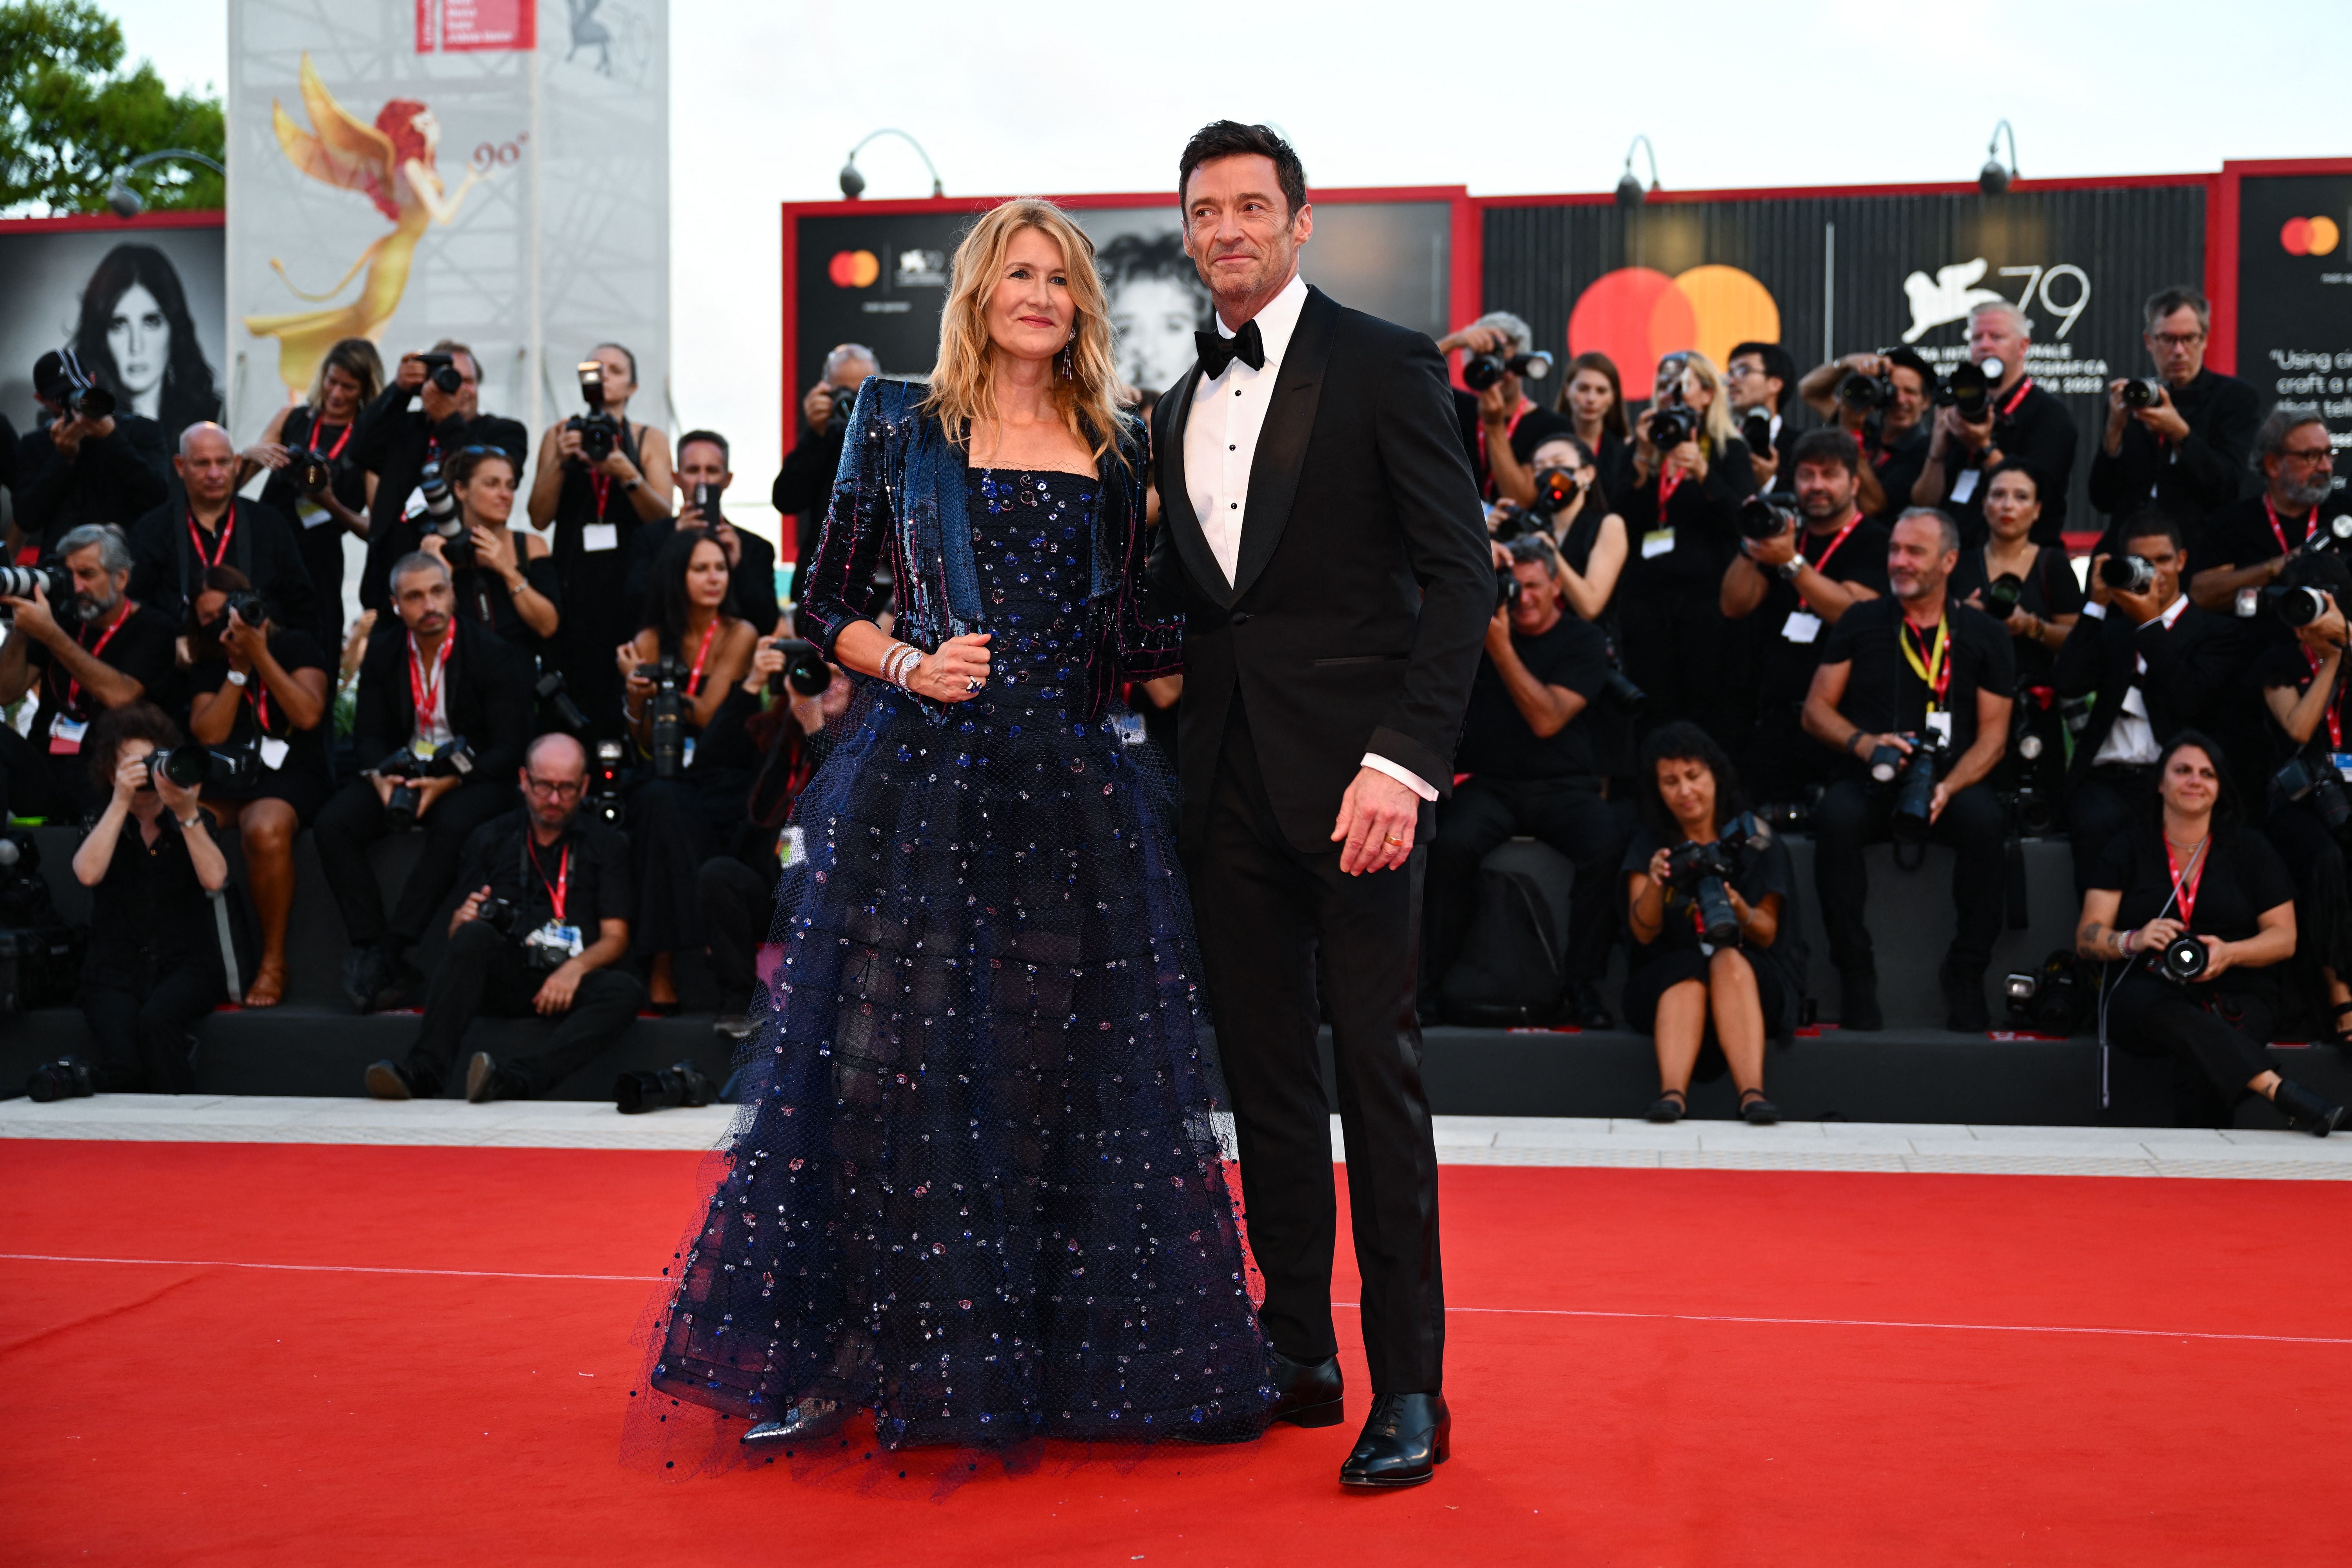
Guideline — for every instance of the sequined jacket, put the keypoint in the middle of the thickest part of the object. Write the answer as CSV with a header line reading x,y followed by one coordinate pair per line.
x,y
903,487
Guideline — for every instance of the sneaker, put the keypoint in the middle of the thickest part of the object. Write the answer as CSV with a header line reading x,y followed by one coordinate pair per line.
x,y
481,1078
387,1080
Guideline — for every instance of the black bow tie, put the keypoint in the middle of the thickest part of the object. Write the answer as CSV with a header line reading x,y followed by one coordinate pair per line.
x,y
1217,350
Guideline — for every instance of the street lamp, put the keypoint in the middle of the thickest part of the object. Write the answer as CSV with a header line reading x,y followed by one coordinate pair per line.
x,y
853,184
1629,193
1994,178
127,202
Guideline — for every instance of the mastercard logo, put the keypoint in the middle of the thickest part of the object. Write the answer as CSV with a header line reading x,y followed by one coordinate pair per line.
x,y
1636,315
2309,235
854,268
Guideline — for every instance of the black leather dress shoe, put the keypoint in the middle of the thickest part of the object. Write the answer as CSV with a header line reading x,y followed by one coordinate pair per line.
x,y
1306,1393
1403,1442
805,1423
389,1080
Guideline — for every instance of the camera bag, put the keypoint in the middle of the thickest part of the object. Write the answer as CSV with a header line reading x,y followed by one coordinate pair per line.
x,y
1511,968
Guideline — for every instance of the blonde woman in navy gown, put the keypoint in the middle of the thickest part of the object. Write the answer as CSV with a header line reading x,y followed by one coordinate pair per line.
x,y
975,1185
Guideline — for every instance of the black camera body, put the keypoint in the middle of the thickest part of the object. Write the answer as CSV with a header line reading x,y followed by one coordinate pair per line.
x,y
542,951
247,607
706,503
2314,779
1671,426
1865,394
56,582
2000,595
309,470
452,759
2142,392
600,432
837,412
679,1084
666,713
554,695
805,671
2052,1000
1914,777
41,956
1969,388
1763,517
1755,429
1703,873
1480,372
1556,491
442,371
84,397
2181,961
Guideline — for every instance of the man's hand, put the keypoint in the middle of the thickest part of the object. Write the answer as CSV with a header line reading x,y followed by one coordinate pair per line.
x,y
471,909
1494,409
555,992
1476,340
1499,632
430,790
817,407
2141,607
1765,464
1377,816
1937,800
1776,552
34,617
68,435
2162,418
243,644
411,373
1976,437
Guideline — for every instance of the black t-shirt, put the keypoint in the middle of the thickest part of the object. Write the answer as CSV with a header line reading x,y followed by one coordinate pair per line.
x,y
2244,533
1495,740
151,913
2047,588
140,645
1896,463
1884,694
306,750
1762,873
2241,878
590,862
1791,647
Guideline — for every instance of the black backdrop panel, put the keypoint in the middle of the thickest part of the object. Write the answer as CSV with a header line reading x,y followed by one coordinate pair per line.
x,y
2294,294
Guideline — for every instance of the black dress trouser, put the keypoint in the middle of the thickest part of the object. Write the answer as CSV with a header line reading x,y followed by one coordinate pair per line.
x,y
2226,1042
142,1031
482,971
1280,927
353,819
738,906
1853,813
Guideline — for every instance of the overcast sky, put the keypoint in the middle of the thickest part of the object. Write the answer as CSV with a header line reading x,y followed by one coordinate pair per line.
x,y
768,95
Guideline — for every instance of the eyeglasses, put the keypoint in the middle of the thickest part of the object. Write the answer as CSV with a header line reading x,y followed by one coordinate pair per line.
x,y
2324,455
562,789
2177,339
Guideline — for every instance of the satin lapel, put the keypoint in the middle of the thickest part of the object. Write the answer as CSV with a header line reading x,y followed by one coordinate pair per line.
x,y
1176,497
1282,440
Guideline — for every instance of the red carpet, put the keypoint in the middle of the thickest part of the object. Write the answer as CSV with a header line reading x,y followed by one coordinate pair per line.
x,y
195,1412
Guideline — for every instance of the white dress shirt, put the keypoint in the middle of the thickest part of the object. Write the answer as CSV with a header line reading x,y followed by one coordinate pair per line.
x,y
2132,740
1221,440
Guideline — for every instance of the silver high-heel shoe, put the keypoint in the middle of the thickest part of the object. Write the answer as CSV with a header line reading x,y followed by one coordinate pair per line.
x,y
809,1420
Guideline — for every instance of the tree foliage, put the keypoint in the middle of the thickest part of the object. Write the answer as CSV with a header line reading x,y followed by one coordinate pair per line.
x,y
70,117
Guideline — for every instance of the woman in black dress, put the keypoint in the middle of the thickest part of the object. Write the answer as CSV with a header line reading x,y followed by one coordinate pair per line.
x,y
2302,684
310,438
2195,875
504,579
2030,589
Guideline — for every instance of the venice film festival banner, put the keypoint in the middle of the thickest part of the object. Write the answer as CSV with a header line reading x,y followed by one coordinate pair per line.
x,y
491,171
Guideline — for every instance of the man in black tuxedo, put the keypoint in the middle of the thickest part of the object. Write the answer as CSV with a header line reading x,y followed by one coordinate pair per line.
x,y
1323,534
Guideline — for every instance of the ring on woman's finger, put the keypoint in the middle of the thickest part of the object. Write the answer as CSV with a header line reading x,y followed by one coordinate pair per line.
x,y
974,684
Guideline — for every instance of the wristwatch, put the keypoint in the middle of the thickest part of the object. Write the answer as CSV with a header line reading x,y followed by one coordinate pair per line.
x,y
236,678
1790,568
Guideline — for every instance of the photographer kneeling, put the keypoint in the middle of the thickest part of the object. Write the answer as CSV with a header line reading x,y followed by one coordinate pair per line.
x,y
154,966
1914,695
1712,909
520,944
257,700
2202,911
1532,771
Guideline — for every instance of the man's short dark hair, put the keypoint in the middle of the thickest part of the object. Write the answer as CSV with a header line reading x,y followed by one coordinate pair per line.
x,y
725,453
2164,301
1910,359
1779,363
2153,522
1820,446
1231,139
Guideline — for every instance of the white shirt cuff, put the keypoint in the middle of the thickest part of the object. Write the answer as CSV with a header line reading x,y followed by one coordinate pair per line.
x,y
2096,612
1405,776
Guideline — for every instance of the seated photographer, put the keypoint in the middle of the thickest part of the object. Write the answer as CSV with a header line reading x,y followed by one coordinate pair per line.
x,y
209,524
257,700
1913,697
2247,543
2030,589
2302,681
702,471
503,577
1593,399
1532,771
2151,664
1791,585
1588,538
95,651
1746,982
2196,907
543,929
153,964
1681,524
1501,427
803,487
689,797
1758,378
81,466
2184,449
313,478
2013,419
1882,401
396,442
443,714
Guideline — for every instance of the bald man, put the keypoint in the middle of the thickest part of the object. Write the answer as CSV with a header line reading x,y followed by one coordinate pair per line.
x,y
544,926
208,524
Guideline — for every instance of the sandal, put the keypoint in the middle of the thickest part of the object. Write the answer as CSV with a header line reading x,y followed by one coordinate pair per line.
x,y
1669,1106
269,987
1758,1111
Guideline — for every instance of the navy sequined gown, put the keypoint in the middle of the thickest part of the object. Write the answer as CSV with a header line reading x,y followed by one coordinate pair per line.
x,y
975,1186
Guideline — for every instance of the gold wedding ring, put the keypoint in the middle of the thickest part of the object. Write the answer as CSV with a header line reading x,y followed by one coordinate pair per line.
x,y
1391,838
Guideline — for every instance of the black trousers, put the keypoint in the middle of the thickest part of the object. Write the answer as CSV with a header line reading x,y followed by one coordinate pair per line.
x,y
2103,805
482,971
1278,929
35,784
1853,813
2225,1043
2323,896
143,1032
353,819
1567,814
738,905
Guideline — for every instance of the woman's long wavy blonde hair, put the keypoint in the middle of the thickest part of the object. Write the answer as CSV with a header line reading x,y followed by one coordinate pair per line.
x,y
963,383
1715,423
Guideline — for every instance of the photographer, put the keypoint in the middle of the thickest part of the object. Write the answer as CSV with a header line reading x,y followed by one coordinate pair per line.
x,y
2198,872
154,965
2016,420
803,487
313,478
2248,544
79,468
504,580
2302,681
429,682
258,700
1681,979
2186,451
172,546
2152,665
702,466
1501,427
1681,522
600,480
1757,378
690,799
397,443
1532,771
543,930
1914,682
1882,401
2030,589
1792,586
97,651
1593,399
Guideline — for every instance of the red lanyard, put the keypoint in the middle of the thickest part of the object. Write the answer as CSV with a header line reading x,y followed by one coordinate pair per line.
x,y
555,890
228,530
341,441
2024,385
694,676
2279,532
1509,431
2184,890
1822,565
260,694
425,698
1667,485
2335,706
73,687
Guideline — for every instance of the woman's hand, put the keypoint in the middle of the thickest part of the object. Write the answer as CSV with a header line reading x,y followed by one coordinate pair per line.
x,y
767,660
1660,869
1739,907
956,673
625,659
180,803
1690,458
567,443
2155,934
266,454
1642,448
2219,956
616,463
493,549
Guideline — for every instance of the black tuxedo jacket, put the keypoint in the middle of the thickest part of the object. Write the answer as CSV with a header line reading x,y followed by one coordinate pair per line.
x,y
1364,583
2190,669
487,686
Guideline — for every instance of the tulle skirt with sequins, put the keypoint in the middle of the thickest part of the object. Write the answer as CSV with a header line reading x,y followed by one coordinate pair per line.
x,y
975,1184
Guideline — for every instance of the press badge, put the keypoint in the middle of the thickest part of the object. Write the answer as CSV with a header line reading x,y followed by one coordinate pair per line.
x,y
311,514
1656,542
792,846
1940,726
596,536
2344,765
414,508
273,753
1129,728
64,735
1965,486
562,936
1802,625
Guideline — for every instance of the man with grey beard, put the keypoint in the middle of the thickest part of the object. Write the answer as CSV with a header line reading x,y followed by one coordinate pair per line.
x,y
2247,543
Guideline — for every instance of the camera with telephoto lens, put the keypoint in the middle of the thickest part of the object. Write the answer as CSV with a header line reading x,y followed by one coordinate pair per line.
x,y
234,769
804,670
1509,522
2314,779
1766,517
1755,429
2291,607
1556,490
83,397
2052,1000
606,763
1865,394
679,1084
2181,961
1480,372
453,759
2000,595
2128,574
1914,778
666,710
440,506
1969,388
2142,392
554,695
599,431
442,371
309,471
1703,873
56,582
1671,426
2032,813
